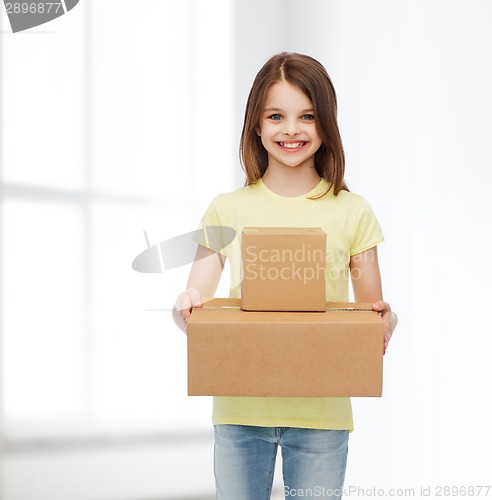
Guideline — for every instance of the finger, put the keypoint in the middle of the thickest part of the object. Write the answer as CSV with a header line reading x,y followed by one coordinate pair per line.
x,y
377,306
387,338
381,306
185,318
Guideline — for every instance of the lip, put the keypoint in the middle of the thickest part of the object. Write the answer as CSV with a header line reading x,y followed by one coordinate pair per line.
x,y
291,149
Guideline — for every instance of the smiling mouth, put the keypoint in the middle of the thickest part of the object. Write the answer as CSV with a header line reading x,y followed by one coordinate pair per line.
x,y
292,145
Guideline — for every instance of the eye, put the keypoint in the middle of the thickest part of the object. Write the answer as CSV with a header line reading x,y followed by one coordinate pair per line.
x,y
275,116
308,117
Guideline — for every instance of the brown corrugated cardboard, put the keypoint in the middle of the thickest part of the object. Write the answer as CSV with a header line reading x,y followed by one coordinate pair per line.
x,y
283,269
232,352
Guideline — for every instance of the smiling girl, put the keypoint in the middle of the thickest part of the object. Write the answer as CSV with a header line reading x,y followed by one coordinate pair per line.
x,y
293,158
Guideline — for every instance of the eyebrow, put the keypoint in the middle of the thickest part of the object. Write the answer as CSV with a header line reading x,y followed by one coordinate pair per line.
x,y
279,109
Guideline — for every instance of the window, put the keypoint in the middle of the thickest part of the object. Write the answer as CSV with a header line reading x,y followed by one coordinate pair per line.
x,y
116,120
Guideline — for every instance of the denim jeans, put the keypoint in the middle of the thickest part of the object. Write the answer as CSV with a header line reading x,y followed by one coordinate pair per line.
x,y
314,461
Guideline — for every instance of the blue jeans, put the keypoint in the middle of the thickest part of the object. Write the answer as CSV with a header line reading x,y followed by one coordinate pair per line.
x,y
314,461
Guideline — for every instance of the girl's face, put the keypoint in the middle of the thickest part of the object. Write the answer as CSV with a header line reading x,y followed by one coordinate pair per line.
x,y
287,127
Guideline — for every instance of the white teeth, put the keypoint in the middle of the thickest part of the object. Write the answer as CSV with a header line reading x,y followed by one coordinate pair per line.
x,y
292,145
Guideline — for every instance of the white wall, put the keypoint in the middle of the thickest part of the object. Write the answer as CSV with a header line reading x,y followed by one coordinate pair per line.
x,y
413,82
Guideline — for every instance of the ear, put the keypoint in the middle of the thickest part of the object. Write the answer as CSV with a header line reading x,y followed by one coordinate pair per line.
x,y
258,131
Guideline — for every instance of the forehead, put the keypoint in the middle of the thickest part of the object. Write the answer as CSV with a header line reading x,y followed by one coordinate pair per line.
x,y
284,95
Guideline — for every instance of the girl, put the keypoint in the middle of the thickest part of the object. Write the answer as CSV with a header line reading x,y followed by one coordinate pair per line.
x,y
293,158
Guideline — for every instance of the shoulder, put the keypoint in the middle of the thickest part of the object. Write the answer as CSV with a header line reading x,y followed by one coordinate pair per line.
x,y
350,197
352,201
356,211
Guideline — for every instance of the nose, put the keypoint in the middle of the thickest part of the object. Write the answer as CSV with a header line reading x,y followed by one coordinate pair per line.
x,y
291,127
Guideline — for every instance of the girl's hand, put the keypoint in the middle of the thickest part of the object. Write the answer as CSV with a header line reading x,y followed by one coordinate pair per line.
x,y
390,320
185,302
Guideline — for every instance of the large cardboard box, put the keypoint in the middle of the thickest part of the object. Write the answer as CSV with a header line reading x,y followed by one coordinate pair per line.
x,y
283,269
231,352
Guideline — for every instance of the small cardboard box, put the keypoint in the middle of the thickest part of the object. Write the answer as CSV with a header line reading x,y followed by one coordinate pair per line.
x,y
231,352
283,269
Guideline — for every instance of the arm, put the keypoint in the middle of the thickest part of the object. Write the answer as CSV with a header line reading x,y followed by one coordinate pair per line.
x,y
202,283
366,283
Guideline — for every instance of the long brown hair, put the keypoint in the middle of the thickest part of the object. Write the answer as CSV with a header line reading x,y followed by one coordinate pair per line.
x,y
309,76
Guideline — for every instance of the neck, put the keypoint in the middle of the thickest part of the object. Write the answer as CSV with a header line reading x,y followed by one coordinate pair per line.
x,y
290,181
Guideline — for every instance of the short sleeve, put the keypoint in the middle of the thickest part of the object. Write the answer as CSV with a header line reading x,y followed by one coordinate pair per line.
x,y
368,232
211,233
